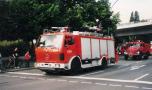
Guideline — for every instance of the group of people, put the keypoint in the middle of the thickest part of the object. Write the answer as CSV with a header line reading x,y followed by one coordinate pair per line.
x,y
15,61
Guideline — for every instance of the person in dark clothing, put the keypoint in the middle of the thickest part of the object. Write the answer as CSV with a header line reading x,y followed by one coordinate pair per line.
x,y
15,56
32,52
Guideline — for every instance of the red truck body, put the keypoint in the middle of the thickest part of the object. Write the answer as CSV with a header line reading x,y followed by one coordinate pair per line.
x,y
73,51
137,50
151,47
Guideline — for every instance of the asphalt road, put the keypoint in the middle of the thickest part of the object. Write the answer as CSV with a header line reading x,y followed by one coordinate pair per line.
x,y
126,75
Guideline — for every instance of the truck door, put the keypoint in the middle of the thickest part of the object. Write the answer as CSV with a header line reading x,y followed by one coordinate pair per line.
x,y
69,46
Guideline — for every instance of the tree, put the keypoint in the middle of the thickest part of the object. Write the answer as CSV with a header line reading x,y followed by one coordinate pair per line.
x,y
136,17
29,17
3,18
115,21
132,17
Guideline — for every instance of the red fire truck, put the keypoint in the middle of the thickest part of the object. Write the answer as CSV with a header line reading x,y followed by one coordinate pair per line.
x,y
73,51
137,50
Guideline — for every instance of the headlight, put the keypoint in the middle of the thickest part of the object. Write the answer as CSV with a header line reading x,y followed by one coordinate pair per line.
x,y
125,53
138,52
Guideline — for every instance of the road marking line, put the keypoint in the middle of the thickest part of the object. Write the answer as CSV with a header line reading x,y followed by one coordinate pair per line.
x,y
14,76
41,78
51,79
73,81
131,86
33,78
141,77
115,85
108,79
21,73
139,61
89,78
136,67
104,84
4,75
10,76
146,88
60,80
86,82
92,73
123,66
23,77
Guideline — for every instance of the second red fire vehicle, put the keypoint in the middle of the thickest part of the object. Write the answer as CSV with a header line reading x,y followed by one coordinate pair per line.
x,y
137,50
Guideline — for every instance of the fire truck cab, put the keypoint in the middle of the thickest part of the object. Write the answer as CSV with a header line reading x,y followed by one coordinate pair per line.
x,y
137,50
73,51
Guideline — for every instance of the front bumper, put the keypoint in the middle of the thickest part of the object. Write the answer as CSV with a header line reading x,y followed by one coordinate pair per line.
x,y
131,54
51,66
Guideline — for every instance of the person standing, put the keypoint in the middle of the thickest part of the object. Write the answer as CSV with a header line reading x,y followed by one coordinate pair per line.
x,y
15,56
27,58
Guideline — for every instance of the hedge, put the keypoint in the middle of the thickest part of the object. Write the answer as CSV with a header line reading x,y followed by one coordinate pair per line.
x,y
7,47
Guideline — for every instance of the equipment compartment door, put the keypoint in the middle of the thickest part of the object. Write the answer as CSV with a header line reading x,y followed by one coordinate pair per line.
x,y
111,50
85,48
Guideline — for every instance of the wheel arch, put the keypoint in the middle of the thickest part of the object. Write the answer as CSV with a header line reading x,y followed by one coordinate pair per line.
x,y
72,59
103,58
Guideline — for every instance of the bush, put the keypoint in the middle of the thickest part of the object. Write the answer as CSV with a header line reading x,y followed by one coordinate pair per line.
x,y
7,47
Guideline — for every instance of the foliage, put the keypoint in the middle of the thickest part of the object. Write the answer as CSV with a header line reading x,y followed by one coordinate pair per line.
x,y
7,47
28,18
134,17
115,20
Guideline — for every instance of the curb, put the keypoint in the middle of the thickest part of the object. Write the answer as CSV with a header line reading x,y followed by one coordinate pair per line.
x,y
19,69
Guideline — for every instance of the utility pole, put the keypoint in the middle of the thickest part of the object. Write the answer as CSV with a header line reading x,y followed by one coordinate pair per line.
x,y
114,3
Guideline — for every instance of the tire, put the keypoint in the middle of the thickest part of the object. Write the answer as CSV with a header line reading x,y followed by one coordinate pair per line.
x,y
104,64
126,57
139,57
75,67
146,56
135,57
48,72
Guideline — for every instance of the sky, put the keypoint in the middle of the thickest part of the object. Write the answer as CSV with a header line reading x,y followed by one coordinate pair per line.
x,y
125,7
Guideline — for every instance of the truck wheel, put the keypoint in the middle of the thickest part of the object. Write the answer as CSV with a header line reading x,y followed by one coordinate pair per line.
x,y
126,57
139,57
75,67
104,63
135,57
146,56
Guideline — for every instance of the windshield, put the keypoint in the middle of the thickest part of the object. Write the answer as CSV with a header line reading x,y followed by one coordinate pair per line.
x,y
51,41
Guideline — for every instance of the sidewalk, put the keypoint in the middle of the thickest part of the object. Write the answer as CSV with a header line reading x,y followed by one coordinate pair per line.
x,y
22,65
19,69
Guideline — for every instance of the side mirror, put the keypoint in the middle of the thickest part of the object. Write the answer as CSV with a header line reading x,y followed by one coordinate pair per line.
x,y
70,42
34,41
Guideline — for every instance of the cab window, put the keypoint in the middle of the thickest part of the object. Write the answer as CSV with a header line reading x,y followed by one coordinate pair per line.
x,y
69,40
